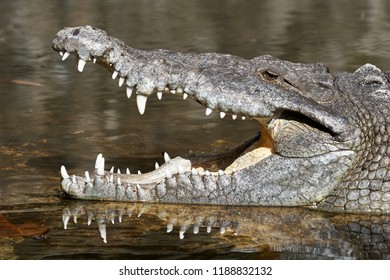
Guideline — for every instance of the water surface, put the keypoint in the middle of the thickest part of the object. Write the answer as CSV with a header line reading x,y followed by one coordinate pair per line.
x,y
52,115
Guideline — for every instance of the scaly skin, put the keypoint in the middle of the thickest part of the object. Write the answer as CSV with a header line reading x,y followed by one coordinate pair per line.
x,y
324,137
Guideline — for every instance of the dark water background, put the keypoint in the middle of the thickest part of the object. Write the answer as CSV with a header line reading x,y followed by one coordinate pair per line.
x,y
52,115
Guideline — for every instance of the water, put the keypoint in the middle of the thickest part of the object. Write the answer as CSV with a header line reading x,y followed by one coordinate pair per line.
x,y
52,115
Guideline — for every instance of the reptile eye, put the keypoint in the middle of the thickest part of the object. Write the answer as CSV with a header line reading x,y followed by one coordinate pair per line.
x,y
269,75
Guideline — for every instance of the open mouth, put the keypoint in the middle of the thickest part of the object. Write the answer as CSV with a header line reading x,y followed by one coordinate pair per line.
x,y
252,150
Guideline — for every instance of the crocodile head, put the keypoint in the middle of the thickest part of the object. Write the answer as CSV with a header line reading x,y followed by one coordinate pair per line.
x,y
322,139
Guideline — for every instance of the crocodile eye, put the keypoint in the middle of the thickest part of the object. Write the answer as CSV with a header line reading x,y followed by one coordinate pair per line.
x,y
268,75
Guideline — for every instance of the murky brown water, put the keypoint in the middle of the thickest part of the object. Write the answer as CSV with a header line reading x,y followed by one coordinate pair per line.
x,y
52,115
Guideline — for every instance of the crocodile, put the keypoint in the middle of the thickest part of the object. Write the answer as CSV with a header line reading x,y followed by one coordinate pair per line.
x,y
322,143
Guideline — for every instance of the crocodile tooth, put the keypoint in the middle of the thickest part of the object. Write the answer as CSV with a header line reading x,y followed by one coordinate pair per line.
x,y
81,64
100,169
220,172
179,90
102,230
194,171
222,230
127,171
112,170
196,229
208,230
182,230
111,178
169,228
75,219
185,95
129,91
207,173
89,220
159,95
98,159
156,165
141,103
94,60
173,91
222,115
74,179
114,74
243,118
121,81
64,173
234,117
61,53
65,217
208,111
87,178
139,172
119,181
119,171
65,56
166,157
120,214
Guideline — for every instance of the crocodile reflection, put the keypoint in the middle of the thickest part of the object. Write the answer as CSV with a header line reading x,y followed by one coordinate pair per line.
x,y
288,232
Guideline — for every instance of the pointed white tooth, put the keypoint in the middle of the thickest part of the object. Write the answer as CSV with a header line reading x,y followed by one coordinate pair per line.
x,y
208,230
103,232
119,171
121,81
159,95
94,60
120,216
156,165
196,229
80,65
89,220
207,173
185,96
181,234
65,217
220,172
234,117
166,157
112,170
75,219
100,169
169,228
87,178
141,103
139,172
243,118
113,220
194,171
129,91
179,90
65,56
74,179
173,91
222,230
114,74
119,181
222,115
127,171
64,173
61,53
98,159
111,178
208,111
